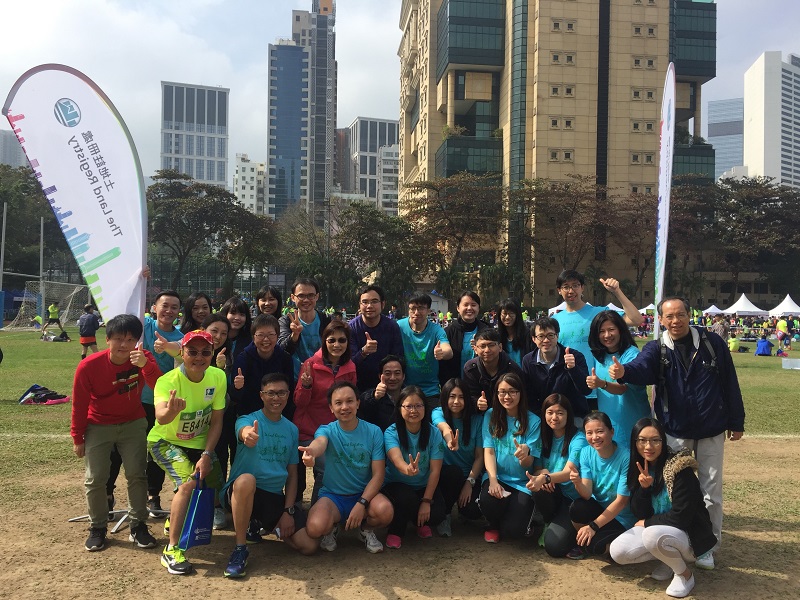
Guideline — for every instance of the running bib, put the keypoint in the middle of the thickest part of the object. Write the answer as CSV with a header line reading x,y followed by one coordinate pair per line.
x,y
193,424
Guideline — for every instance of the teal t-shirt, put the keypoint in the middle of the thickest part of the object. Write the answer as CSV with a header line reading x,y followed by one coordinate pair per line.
x,y
349,456
609,479
464,457
574,332
164,361
555,462
509,470
660,501
435,451
623,409
269,460
513,353
466,350
307,345
422,368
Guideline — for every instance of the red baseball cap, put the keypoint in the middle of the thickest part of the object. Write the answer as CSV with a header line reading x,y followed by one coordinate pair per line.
x,y
197,334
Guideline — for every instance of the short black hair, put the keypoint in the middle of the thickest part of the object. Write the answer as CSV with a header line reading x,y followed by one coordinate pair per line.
x,y
545,323
371,288
171,293
471,295
392,358
339,385
88,308
568,274
422,298
124,324
263,320
680,298
305,281
489,334
275,377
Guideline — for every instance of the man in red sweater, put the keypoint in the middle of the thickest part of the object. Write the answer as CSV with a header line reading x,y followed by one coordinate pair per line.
x,y
106,412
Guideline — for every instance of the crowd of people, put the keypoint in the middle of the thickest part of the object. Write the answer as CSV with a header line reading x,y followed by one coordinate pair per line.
x,y
543,433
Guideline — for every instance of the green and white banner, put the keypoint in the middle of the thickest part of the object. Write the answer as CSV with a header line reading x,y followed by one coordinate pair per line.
x,y
86,162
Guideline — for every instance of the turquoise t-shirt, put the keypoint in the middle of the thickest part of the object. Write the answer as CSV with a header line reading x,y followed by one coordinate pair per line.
x,y
269,460
422,368
623,409
555,462
509,470
349,456
574,332
466,350
307,345
435,451
609,479
513,353
464,457
164,361
660,501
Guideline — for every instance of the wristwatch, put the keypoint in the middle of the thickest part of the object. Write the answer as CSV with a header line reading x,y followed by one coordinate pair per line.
x,y
205,453
363,502
471,481
289,510
594,526
547,478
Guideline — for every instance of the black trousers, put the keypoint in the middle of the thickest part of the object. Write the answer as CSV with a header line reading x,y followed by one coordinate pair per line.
x,y
511,515
450,482
584,512
554,508
406,501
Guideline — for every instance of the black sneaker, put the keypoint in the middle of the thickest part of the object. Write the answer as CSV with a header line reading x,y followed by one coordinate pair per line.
x,y
253,535
96,540
154,507
141,536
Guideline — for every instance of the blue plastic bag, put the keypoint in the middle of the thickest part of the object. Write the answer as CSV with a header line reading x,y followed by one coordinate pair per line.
x,y
199,521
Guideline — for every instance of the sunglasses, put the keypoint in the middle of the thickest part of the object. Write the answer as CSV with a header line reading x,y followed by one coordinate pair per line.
x,y
194,353
341,340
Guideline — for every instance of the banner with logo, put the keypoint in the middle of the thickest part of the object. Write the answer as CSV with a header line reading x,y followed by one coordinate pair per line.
x,y
86,162
664,182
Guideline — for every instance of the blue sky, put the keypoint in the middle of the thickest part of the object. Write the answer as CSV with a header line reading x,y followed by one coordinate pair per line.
x,y
129,46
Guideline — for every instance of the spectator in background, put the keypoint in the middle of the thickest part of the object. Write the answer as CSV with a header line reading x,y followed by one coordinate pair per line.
x,y
88,324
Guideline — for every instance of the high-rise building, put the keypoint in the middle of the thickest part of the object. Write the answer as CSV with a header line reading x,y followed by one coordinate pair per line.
x,y
367,137
388,170
288,131
248,184
548,89
772,118
11,153
194,131
726,133
342,161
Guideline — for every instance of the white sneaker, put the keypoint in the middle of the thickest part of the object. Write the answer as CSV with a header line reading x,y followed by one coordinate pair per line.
x,y
371,540
662,572
328,541
444,529
705,561
680,587
219,519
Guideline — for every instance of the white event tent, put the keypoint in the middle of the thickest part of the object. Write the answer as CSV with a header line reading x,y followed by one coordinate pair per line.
x,y
743,307
712,310
787,307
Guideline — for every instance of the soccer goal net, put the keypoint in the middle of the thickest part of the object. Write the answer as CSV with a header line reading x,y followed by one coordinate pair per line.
x,y
39,295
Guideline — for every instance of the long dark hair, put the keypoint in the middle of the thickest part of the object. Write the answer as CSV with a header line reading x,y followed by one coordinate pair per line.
x,y
402,431
335,325
466,414
188,323
520,331
625,338
636,458
275,293
498,424
569,431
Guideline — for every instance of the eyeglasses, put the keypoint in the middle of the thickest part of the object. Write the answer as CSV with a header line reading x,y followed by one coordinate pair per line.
x,y
547,336
305,296
489,346
412,309
272,394
265,336
416,407
370,302
341,340
571,288
504,393
655,442
194,353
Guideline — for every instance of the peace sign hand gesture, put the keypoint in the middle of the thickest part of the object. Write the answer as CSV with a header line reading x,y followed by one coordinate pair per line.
x,y
295,325
453,443
305,378
412,468
645,479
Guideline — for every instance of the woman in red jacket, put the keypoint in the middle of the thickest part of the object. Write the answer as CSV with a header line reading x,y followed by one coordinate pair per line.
x,y
330,364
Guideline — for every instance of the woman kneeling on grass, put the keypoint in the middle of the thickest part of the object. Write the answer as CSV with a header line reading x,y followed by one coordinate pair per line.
x,y
601,512
412,486
673,523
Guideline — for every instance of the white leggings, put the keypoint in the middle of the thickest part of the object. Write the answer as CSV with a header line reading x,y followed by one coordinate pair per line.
x,y
670,545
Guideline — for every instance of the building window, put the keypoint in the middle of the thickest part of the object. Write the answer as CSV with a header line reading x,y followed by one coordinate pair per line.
x,y
570,59
556,58
569,91
554,91
637,30
634,189
651,94
568,155
648,159
651,32
635,126
570,26
637,94
637,63
651,63
553,155
553,123
556,25
649,127
634,158
648,189
567,123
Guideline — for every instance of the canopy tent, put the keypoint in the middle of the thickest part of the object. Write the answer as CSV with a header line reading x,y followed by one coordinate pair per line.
x,y
743,307
614,307
555,309
712,310
650,306
787,307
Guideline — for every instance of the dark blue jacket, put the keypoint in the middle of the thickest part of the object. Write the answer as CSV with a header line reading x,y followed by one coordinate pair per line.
x,y
248,399
541,381
702,401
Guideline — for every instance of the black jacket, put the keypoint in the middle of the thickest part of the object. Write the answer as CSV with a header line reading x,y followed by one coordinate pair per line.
x,y
455,335
541,381
285,335
478,380
378,412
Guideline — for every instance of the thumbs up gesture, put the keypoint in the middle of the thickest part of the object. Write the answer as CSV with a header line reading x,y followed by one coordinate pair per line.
x,y
574,474
616,370
438,353
569,358
371,347
238,381
158,344
250,438
483,403
137,356
521,451
593,381
221,359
